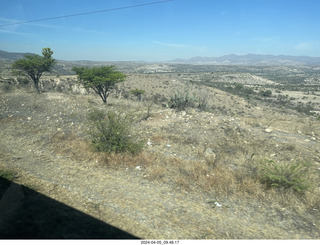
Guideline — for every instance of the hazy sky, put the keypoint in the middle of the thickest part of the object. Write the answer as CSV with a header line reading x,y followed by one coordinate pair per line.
x,y
160,32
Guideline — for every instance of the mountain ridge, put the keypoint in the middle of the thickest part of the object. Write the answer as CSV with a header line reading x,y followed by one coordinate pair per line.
x,y
11,56
230,59
251,59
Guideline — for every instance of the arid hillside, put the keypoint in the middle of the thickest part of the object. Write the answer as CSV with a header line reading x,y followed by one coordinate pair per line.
x,y
236,163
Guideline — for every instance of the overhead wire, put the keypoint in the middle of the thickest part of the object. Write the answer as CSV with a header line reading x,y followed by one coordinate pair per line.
x,y
87,13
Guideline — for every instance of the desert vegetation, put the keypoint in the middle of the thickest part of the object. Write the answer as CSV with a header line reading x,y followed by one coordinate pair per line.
x,y
100,79
236,144
112,132
33,66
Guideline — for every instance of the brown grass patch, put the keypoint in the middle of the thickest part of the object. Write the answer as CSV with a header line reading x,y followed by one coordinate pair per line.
x,y
156,172
248,185
157,139
222,180
68,144
182,182
143,159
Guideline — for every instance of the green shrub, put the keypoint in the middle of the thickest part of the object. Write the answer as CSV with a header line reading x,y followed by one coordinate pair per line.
x,y
266,93
285,175
138,93
181,101
112,132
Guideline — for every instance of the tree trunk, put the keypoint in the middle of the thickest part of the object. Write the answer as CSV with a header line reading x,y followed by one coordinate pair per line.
x,y
35,80
104,99
36,85
104,96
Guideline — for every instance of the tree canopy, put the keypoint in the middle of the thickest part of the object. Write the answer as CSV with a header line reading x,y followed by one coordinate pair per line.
x,y
100,79
33,66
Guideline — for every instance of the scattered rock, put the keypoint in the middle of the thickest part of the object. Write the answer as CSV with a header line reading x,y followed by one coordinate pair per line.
x,y
268,130
217,204
210,156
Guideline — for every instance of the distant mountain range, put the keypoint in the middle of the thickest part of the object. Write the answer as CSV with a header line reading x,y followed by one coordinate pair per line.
x,y
232,59
251,59
11,55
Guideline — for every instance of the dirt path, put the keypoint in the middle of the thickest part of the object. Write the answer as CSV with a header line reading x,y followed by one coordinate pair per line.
x,y
124,199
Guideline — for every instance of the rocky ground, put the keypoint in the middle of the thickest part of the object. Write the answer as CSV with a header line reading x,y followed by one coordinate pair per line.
x,y
193,180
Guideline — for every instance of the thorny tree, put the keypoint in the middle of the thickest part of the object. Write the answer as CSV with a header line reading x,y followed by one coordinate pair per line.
x,y
33,66
100,79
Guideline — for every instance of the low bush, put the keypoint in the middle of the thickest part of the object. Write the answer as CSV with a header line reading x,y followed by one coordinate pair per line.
x,y
138,93
285,175
112,132
181,101
266,93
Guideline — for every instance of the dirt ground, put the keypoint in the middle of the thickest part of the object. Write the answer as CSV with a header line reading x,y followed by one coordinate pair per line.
x,y
43,139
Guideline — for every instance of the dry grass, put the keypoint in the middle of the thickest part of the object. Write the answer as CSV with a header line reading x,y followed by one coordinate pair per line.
x,y
156,172
158,139
68,144
238,146
128,160
176,159
233,174
286,123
